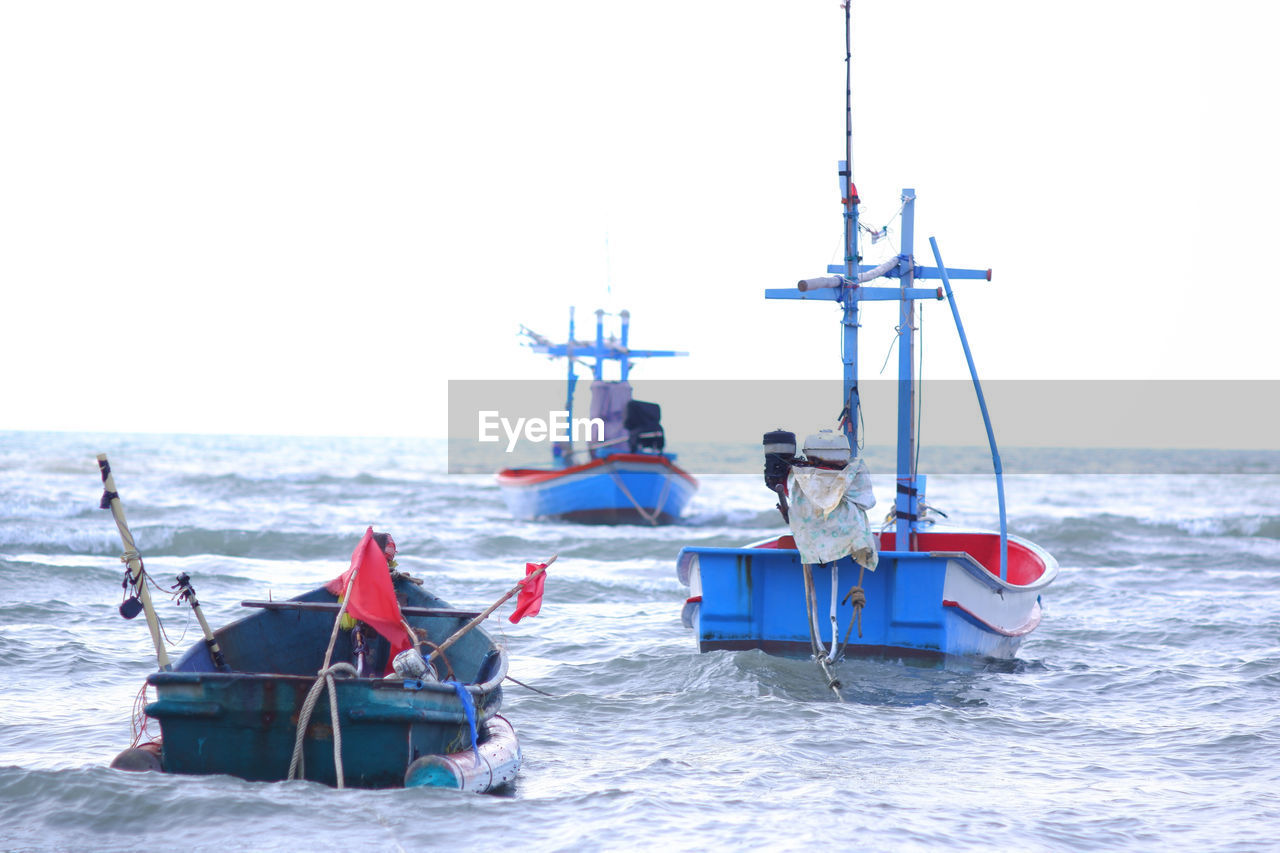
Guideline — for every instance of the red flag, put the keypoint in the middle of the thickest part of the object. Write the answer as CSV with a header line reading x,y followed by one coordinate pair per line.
x,y
529,601
373,598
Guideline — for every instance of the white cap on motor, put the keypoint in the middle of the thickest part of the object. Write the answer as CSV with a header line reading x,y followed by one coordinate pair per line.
x,y
828,446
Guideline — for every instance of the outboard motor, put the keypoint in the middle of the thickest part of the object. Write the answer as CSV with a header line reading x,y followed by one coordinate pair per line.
x,y
826,448
643,424
779,456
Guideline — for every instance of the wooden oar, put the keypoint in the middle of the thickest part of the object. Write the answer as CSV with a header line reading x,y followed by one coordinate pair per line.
x,y
132,559
484,614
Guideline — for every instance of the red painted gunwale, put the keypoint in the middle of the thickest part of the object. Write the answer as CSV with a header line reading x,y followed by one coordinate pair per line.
x,y
1025,566
533,476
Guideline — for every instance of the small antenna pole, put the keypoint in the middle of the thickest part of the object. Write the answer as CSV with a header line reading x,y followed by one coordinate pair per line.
x,y
599,368
572,378
624,364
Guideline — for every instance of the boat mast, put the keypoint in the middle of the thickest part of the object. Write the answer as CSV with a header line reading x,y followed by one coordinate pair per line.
x,y
573,377
849,284
601,351
598,373
624,364
849,195
908,486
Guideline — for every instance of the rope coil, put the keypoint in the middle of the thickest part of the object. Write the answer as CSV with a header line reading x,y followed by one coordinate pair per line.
x,y
857,598
297,764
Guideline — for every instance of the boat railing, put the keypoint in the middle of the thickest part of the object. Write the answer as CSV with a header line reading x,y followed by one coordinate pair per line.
x,y
613,442
332,607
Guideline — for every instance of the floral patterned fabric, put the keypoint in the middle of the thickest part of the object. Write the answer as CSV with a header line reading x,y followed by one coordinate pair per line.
x,y
829,513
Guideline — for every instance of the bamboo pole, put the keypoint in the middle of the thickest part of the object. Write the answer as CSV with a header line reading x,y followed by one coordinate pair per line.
x,y
187,592
457,635
132,559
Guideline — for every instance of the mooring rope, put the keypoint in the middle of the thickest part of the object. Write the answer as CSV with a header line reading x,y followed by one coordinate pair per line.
x,y
528,686
652,518
140,719
297,765
857,597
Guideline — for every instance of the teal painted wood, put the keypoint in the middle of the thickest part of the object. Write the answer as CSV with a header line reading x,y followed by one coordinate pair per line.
x,y
244,723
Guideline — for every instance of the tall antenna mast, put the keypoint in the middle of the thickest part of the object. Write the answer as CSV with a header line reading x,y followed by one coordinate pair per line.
x,y
850,190
849,196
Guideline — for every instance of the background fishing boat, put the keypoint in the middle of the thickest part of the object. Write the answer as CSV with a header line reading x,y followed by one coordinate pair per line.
x,y
919,591
620,472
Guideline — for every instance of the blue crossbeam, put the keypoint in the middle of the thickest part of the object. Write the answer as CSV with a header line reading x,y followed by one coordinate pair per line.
x,y
920,272
860,294
831,294
932,272
584,350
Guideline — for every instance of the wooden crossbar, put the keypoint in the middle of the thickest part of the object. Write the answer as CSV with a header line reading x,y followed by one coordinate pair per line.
x,y
332,607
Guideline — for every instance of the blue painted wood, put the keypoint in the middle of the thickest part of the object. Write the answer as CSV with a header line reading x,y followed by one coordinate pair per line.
x,y
572,380
935,272
906,494
849,299
591,493
598,372
859,294
918,272
624,364
600,350
753,598
921,603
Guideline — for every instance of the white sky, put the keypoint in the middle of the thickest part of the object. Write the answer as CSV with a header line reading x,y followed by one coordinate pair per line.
x,y
247,216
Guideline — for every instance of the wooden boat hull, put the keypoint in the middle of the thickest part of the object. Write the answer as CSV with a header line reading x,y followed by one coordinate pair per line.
x,y
244,723
623,488
934,603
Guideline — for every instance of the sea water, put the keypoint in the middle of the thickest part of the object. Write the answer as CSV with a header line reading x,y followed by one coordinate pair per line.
x,y
1143,714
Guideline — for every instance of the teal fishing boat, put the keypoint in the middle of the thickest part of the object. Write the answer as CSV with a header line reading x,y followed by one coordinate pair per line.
x,y
250,699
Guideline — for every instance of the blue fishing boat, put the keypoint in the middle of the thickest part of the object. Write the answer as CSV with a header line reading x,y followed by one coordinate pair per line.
x,y
621,473
834,585
249,700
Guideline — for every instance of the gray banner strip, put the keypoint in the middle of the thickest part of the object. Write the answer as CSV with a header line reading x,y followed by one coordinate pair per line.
x,y
1043,427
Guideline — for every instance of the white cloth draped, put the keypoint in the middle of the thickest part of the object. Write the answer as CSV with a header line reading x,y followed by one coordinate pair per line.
x,y
829,513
